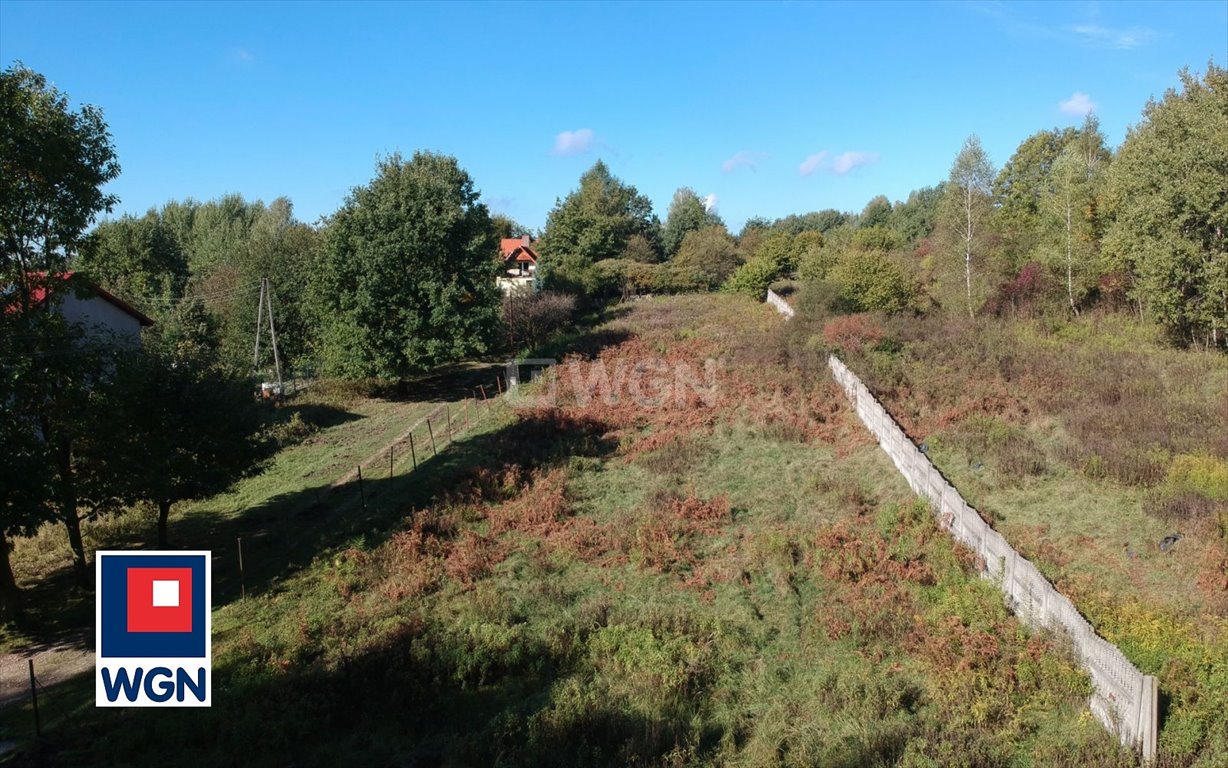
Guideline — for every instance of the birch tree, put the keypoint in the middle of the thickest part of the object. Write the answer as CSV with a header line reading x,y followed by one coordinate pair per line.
x,y
968,207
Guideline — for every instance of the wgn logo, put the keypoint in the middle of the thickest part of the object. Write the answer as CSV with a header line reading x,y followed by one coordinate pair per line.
x,y
153,629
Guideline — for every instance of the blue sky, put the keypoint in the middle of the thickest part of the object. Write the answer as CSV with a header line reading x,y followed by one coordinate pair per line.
x,y
771,108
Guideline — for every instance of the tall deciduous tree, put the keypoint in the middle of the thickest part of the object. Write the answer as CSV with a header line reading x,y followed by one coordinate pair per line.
x,y
706,258
408,272
54,162
877,213
968,206
1021,185
591,224
1168,187
182,428
687,213
137,258
1069,200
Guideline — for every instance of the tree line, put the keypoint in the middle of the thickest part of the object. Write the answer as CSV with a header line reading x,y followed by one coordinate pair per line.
x,y
401,278
1065,225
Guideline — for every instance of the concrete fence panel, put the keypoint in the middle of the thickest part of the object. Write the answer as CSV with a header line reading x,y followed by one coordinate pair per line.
x,y
780,304
1124,700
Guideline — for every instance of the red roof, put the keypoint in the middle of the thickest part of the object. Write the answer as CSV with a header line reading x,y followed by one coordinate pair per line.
x,y
517,249
39,294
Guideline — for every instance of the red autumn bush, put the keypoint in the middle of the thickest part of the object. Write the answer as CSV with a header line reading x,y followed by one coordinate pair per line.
x,y
851,334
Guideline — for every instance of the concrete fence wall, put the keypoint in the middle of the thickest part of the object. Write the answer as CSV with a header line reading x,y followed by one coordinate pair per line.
x,y
1125,700
780,304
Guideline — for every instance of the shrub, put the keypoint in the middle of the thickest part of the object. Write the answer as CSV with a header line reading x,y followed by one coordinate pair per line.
x,y
753,278
529,319
706,258
871,282
1201,474
850,334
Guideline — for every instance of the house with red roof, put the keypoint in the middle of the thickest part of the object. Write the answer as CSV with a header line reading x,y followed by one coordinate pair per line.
x,y
519,263
88,305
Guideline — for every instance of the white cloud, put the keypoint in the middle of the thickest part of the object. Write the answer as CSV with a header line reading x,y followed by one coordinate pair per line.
x,y
812,163
743,158
1124,39
847,161
573,142
1079,104
710,203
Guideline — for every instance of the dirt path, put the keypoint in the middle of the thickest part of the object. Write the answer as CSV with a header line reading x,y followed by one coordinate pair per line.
x,y
52,665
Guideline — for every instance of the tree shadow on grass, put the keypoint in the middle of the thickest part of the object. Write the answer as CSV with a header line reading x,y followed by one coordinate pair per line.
x,y
451,382
391,704
407,701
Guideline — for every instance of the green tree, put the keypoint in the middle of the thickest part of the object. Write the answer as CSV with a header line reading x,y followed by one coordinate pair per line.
x,y
593,223
408,272
687,213
287,252
26,476
1021,185
877,213
182,428
506,226
706,258
870,281
753,278
137,258
915,218
774,256
817,221
967,208
1168,187
1069,202
54,163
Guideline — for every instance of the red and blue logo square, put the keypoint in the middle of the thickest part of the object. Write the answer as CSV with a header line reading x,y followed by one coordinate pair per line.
x,y
153,605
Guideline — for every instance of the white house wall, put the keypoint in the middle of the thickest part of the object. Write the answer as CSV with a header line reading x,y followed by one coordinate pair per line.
x,y
101,316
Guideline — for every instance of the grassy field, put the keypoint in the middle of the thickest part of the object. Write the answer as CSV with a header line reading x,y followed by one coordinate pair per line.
x,y
1087,443
283,513
710,568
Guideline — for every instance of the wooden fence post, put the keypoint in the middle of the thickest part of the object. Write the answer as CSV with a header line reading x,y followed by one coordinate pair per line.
x,y
431,432
242,585
447,411
362,494
38,726
412,453
391,449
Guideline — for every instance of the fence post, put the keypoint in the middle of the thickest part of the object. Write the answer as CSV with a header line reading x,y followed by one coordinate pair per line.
x,y
361,493
483,388
391,449
412,453
431,432
38,725
499,384
447,411
242,585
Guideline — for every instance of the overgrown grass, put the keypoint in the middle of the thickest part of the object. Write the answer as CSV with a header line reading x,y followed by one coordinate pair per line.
x,y
738,581
1090,444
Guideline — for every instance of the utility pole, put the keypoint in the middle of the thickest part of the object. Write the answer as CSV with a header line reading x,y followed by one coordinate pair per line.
x,y
266,300
273,334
